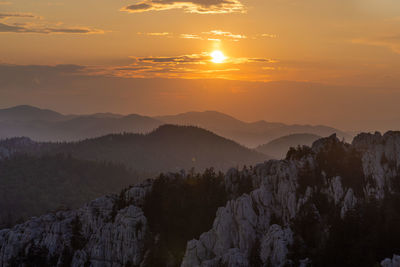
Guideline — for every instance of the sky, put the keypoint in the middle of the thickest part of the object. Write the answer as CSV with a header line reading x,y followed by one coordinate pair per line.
x,y
333,62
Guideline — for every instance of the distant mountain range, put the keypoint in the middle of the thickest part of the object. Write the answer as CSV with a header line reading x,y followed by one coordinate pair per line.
x,y
26,113
279,147
249,134
47,125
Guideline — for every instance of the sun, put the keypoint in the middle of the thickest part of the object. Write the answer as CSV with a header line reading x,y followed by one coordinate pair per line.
x,y
217,57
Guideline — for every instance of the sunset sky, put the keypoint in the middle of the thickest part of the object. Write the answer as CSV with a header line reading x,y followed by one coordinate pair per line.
x,y
334,62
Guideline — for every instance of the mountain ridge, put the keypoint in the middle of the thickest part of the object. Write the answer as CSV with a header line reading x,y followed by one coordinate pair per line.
x,y
278,148
168,148
78,127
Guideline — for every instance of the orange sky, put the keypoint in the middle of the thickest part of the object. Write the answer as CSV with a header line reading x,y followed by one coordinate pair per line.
x,y
339,44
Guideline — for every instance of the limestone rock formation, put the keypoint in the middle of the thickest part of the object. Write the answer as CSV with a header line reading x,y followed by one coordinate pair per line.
x,y
258,228
267,212
102,233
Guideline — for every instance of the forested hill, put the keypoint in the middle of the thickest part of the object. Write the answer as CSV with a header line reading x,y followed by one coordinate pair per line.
x,y
278,148
168,148
32,186
37,177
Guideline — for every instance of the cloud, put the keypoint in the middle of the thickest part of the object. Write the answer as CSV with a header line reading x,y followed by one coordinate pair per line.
x,y
226,34
391,42
159,33
39,69
190,36
184,59
43,27
190,66
268,35
9,28
190,6
16,15
212,35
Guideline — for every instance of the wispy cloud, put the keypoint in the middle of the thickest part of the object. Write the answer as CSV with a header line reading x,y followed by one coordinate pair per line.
x,y
226,34
268,35
17,15
391,42
190,6
212,35
184,59
38,25
191,66
164,34
214,39
190,36
8,28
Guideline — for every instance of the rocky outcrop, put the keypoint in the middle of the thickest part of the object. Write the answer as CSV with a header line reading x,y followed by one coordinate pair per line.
x,y
381,161
266,214
393,262
275,244
258,228
244,220
109,231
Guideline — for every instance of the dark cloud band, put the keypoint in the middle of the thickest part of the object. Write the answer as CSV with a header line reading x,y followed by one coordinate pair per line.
x,y
191,6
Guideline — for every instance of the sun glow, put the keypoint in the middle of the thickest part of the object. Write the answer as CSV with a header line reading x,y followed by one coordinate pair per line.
x,y
217,57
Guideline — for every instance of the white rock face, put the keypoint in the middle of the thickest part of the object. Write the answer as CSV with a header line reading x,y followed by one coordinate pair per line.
x,y
106,236
274,246
242,221
381,160
336,189
349,202
394,262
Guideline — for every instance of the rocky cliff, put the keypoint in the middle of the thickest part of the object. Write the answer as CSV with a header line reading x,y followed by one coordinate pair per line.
x,y
109,231
332,204
261,228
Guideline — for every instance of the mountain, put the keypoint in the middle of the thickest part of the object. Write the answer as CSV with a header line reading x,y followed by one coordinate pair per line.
x,y
31,186
26,113
48,126
279,147
168,148
250,134
320,202
105,115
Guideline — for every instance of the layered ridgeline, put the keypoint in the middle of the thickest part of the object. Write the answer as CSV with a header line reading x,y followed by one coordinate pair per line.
x,y
333,204
250,134
47,125
168,148
278,148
